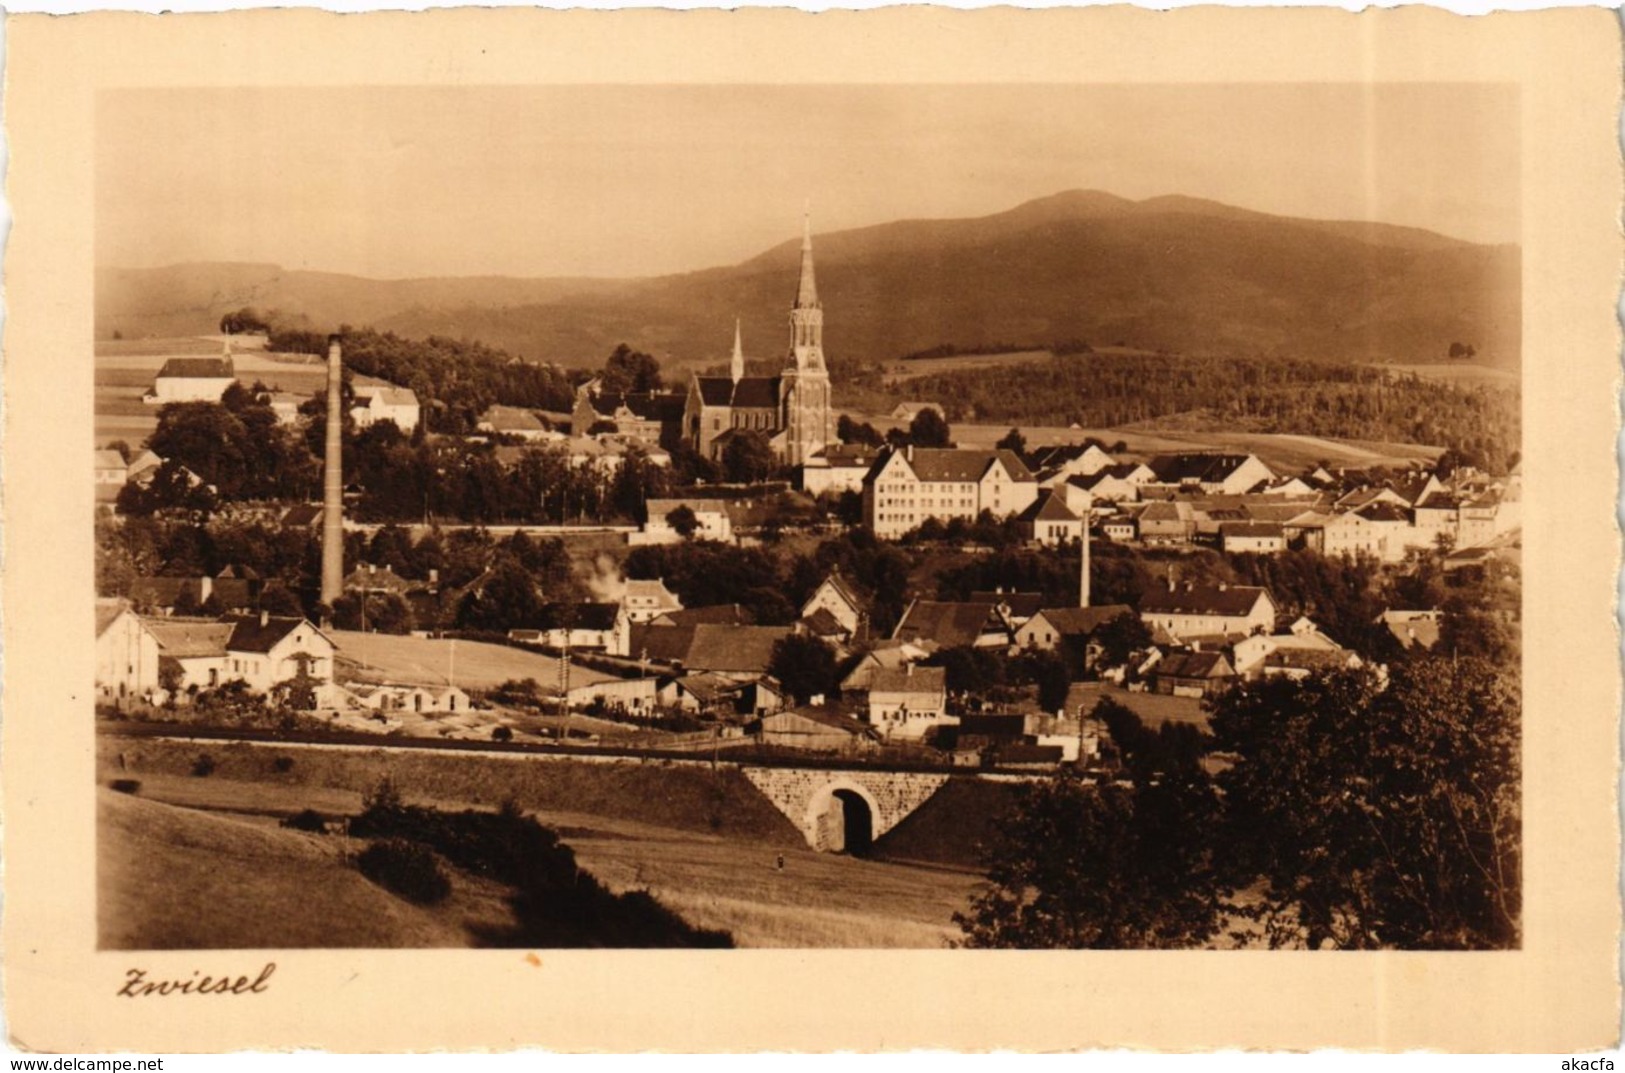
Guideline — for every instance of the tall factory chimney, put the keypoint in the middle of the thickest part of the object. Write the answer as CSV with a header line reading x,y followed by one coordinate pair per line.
x,y
333,481
1083,574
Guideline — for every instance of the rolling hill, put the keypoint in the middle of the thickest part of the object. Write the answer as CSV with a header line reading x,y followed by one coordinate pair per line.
x,y
1171,273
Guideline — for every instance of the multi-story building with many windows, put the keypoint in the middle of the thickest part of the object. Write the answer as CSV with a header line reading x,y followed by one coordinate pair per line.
x,y
910,484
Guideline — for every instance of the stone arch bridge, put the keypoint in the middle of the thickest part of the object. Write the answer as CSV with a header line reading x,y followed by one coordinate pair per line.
x,y
845,809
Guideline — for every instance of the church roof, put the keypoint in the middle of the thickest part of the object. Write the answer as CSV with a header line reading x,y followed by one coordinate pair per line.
x,y
754,392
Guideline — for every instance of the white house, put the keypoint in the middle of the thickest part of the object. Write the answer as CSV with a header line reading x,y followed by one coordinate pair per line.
x,y
266,649
912,484
645,600
835,596
839,468
906,702
711,521
126,654
194,648
1048,520
111,473
192,380
385,402
1192,610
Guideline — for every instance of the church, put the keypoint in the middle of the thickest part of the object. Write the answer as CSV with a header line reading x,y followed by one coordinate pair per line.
x,y
792,409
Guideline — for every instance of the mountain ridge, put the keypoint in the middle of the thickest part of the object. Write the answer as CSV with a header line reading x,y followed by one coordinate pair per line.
x,y
1171,272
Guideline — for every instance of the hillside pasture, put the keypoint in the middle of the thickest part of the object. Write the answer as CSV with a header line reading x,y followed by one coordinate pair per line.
x,y
173,878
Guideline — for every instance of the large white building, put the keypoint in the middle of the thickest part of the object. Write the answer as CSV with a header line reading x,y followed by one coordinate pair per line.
x,y
192,380
911,484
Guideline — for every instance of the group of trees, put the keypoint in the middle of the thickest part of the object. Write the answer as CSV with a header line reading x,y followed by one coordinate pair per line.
x,y
1361,809
927,429
455,380
1480,422
230,450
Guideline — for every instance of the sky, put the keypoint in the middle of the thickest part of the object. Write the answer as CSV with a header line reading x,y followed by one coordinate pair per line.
x,y
618,181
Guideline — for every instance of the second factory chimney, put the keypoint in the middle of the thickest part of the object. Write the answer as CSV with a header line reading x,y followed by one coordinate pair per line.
x,y
333,481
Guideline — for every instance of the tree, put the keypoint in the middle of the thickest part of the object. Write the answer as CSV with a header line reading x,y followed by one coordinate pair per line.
x,y
1379,814
1119,637
1101,866
682,519
748,458
246,319
804,665
929,429
630,370
850,431
1013,441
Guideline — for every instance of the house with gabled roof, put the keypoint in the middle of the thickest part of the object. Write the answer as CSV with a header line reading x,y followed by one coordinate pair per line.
x,y
645,599
654,417
386,402
266,649
906,702
910,484
1052,627
1211,472
1119,483
836,596
950,624
127,654
515,421
192,380
1191,610
1192,674
840,467
1413,629
1059,462
1048,521
111,474
1257,538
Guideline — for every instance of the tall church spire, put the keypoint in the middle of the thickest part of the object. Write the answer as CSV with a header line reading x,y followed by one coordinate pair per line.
x,y
807,294
737,367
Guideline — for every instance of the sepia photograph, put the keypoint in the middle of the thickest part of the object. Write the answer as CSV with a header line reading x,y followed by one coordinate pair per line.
x,y
757,531
809,516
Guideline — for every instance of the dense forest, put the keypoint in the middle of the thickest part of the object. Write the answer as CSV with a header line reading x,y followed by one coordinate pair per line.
x,y
1480,422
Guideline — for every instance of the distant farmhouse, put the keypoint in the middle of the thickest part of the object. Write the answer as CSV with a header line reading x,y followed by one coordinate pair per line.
x,y
192,380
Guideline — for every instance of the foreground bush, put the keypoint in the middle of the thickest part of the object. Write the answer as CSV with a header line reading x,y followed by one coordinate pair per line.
x,y
407,868
307,820
556,903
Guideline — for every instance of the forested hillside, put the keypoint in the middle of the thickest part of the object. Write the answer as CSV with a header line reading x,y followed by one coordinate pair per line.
x,y
1479,421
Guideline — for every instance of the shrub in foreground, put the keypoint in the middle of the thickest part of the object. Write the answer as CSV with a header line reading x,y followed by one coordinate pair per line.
x,y
407,868
307,820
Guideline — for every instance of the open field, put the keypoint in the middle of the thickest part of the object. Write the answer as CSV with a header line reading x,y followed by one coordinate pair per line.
x,y
727,881
471,664
1460,373
900,372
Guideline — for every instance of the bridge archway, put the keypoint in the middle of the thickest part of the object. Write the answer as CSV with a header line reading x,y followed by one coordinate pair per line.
x,y
841,817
